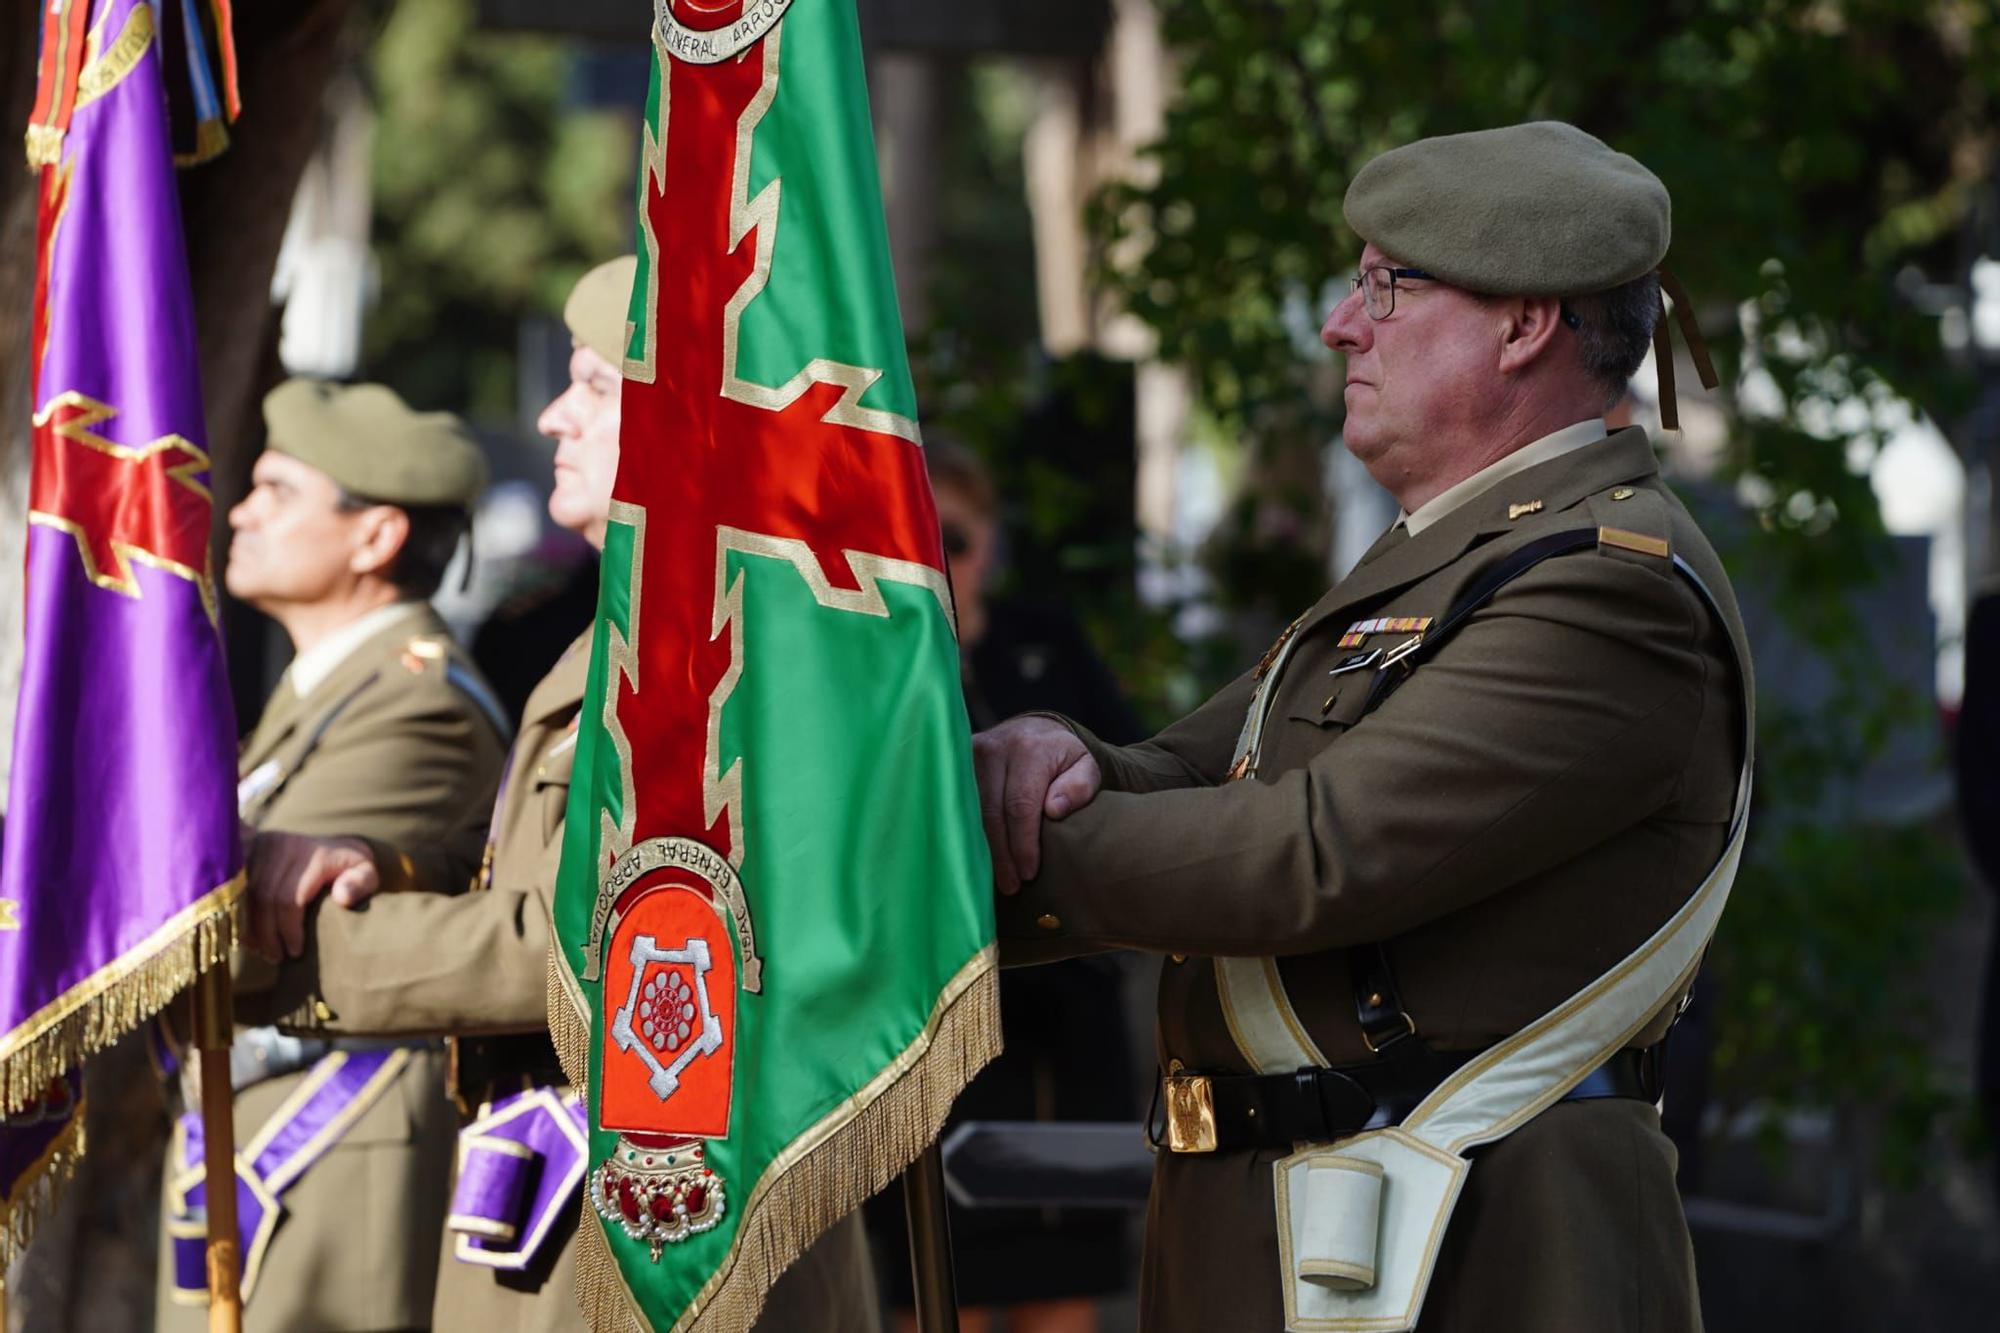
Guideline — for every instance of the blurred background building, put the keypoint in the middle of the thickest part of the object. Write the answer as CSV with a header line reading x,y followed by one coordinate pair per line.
x,y
1116,230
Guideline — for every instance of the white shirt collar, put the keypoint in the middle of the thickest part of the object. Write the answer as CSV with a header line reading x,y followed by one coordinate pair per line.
x,y
1553,445
310,668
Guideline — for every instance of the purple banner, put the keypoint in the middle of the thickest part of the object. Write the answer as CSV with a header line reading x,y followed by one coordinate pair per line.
x,y
120,858
519,1166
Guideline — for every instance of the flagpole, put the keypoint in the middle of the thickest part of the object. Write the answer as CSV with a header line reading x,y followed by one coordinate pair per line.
x,y
930,1243
213,1028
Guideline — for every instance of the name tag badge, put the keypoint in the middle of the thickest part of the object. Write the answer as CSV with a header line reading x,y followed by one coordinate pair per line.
x,y
1358,662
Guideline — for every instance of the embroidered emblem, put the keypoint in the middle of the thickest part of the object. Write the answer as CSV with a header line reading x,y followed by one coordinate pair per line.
x,y
1623,493
671,978
1523,510
710,34
10,914
1357,633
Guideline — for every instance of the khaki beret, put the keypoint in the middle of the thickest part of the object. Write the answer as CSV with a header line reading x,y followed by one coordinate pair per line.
x,y
597,307
1541,209
368,440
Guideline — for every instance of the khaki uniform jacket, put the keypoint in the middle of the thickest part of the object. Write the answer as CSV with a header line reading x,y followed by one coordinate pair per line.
x,y
396,742
1536,800
477,964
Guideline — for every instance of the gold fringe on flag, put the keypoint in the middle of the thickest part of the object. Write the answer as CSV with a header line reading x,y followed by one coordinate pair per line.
x,y
211,140
35,1192
826,1173
118,997
568,1029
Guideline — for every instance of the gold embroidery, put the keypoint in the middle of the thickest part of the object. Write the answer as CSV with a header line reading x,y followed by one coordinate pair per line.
x,y
105,70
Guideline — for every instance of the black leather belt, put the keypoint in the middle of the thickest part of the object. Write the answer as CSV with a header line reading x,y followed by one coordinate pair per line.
x,y
1226,1112
486,1068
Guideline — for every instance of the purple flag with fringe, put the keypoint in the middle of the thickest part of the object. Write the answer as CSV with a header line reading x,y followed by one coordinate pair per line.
x,y
120,861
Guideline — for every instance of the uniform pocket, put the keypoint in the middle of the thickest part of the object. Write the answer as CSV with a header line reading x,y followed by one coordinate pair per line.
x,y
1341,703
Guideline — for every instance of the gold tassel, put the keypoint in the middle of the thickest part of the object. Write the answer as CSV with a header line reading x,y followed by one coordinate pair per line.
x,y
118,997
826,1174
44,145
211,139
35,1193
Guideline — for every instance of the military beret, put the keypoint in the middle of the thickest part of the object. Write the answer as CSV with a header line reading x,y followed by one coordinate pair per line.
x,y
1541,209
369,441
598,305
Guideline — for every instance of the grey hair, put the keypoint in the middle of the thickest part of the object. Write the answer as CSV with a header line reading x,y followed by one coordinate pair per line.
x,y
1614,329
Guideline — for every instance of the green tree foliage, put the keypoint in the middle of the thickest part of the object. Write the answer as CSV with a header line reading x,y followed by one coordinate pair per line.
x,y
492,196
1819,152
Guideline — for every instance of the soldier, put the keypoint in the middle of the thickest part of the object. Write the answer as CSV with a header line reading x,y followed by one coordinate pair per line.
x,y
380,724
478,965
1469,784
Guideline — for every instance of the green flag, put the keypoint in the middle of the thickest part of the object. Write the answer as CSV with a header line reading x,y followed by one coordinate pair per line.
x,y
775,963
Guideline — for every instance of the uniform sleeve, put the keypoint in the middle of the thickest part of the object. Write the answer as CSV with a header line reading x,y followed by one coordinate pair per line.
x,y
1562,713
424,964
1194,752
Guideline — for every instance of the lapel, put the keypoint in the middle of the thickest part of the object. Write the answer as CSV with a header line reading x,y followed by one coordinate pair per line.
x,y
1558,484
561,691
280,715
288,713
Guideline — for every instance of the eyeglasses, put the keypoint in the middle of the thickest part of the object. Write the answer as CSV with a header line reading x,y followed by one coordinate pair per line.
x,y
1378,288
1378,292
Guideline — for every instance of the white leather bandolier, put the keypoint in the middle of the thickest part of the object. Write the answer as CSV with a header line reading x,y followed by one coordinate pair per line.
x,y
1360,1221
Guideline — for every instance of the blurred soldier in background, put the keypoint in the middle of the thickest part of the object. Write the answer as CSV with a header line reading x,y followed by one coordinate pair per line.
x,y
422,963
381,726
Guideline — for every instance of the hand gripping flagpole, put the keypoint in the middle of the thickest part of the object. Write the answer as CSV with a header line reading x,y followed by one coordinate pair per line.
x,y
930,1243
213,1027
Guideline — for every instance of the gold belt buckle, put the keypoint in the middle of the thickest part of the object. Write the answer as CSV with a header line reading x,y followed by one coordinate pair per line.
x,y
1190,1112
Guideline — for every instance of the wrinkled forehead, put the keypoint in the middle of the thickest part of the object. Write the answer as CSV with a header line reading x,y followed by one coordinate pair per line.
x,y
587,366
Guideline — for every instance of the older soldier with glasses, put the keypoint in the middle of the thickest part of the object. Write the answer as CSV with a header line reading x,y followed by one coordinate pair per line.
x,y
1433,877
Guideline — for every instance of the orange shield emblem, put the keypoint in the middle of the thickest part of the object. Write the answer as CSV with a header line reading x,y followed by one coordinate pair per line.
x,y
670,1012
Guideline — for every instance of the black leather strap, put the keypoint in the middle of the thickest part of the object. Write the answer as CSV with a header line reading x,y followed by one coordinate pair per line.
x,y
1321,1105
1378,1005
1479,592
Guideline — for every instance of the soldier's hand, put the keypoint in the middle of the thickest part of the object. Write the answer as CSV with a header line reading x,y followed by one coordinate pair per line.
x,y
1028,767
287,873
